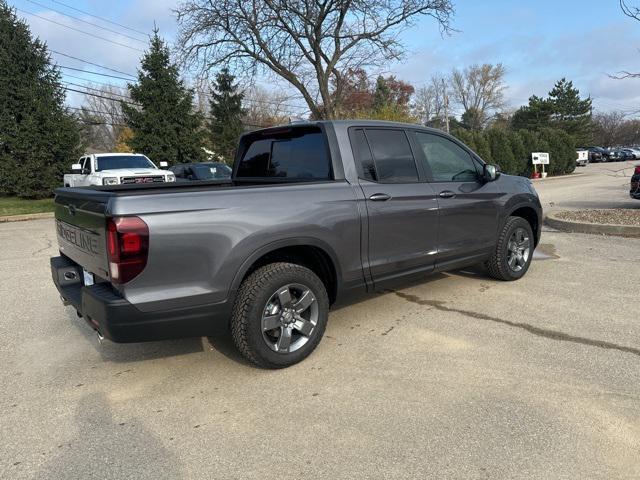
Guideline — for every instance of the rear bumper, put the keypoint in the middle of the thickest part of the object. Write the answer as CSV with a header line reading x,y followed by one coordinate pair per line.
x,y
120,321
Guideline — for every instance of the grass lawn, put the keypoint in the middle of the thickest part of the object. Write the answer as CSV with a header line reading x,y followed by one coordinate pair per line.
x,y
19,206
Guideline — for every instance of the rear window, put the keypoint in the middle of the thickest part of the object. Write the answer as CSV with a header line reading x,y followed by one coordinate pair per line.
x,y
298,154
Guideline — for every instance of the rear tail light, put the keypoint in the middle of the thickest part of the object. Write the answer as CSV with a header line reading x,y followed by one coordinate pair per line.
x,y
637,170
127,246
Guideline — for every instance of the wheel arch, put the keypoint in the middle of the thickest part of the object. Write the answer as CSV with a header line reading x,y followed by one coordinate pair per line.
x,y
530,214
308,252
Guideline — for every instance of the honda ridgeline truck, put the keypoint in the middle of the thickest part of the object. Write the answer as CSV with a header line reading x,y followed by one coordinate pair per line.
x,y
312,214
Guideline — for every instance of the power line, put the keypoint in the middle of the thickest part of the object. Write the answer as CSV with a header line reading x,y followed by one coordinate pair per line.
x,y
101,96
80,31
202,92
92,73
247,100
96,89
94,64
91,82
85,109
138,105
99,18
88,23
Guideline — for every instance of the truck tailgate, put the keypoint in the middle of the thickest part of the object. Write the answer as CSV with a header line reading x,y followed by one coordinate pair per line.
x,y
81,229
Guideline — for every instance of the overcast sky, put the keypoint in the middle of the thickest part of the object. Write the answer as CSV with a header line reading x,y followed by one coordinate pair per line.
x,y
583,40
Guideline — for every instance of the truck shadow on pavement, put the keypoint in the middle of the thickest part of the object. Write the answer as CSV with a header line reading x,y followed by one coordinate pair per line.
x,y
136,352
107,447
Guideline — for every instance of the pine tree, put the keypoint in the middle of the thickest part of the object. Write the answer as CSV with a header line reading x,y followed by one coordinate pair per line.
x,y
563,110
473,119
571,113
39,139
225,125
382,94
164,124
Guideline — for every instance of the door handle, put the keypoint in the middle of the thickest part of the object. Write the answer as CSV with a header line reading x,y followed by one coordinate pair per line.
x,y
447,194
379,197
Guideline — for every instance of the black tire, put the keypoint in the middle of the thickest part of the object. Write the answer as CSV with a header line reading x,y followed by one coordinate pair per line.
x,y
249,307
498,265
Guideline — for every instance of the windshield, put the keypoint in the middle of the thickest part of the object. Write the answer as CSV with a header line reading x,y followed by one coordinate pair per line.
x,y
208,171
123,161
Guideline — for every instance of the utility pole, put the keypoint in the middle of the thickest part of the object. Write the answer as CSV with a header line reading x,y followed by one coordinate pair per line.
x,y
446,105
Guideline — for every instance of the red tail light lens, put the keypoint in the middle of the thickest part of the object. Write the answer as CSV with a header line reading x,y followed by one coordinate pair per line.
x,y
637,170
127,246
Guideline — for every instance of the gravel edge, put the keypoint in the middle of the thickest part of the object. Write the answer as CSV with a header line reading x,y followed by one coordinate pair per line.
x,y
25,217
553,221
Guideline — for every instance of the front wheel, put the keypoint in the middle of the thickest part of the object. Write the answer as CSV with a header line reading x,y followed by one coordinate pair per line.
x,y
279,315
513,252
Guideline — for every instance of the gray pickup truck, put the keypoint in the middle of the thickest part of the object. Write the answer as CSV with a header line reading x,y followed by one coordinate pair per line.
x,y
313,214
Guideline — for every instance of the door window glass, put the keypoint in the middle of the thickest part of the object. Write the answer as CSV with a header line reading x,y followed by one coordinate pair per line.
x,y
362,155
447,161
393,158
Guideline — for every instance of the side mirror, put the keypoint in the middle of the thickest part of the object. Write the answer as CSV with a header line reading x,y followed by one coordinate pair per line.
x,y
76,168
490,173
164,164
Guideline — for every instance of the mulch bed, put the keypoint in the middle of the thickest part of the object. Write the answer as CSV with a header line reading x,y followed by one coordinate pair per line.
x,y
613,216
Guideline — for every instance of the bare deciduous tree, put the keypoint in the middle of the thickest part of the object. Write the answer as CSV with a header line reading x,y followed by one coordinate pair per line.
x,y
479,89
309,43
634,13
613,129
429,102
101,116
630,11
264,108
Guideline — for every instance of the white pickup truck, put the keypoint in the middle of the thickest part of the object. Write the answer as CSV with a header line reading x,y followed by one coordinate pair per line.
x,y
116,169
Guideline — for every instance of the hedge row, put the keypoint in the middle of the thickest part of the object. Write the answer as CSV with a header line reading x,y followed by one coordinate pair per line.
x,y
512,149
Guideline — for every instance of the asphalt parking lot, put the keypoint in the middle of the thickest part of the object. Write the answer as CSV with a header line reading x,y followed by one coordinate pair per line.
x,y
456,377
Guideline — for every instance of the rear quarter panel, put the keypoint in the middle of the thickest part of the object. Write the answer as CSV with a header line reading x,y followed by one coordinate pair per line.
x,y
199,241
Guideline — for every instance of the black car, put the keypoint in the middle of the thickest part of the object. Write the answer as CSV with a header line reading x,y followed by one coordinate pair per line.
x,y
597,154
619,156
634,191
186,172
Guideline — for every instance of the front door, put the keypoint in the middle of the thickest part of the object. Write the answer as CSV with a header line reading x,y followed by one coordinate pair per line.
x,y
402,209
468,207
82,179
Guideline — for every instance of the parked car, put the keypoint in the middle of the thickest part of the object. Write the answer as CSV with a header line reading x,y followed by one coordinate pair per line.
x,y
619,155
315,213
186,172
115,169
597,154
633,153
582,158
634,190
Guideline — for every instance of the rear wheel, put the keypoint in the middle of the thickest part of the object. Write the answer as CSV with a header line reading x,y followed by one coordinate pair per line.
x,y
279,315
513,252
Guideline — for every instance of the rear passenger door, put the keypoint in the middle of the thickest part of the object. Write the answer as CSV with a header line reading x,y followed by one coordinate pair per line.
x,y
402,209
468,208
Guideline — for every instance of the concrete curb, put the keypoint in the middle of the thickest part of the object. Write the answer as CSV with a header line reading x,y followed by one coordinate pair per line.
x,y
25,217
553,221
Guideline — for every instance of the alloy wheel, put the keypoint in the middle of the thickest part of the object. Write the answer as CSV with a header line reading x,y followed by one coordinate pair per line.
x,y
518,249
289,318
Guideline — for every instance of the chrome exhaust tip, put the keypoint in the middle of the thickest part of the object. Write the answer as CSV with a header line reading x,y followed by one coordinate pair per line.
x,y
100,337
